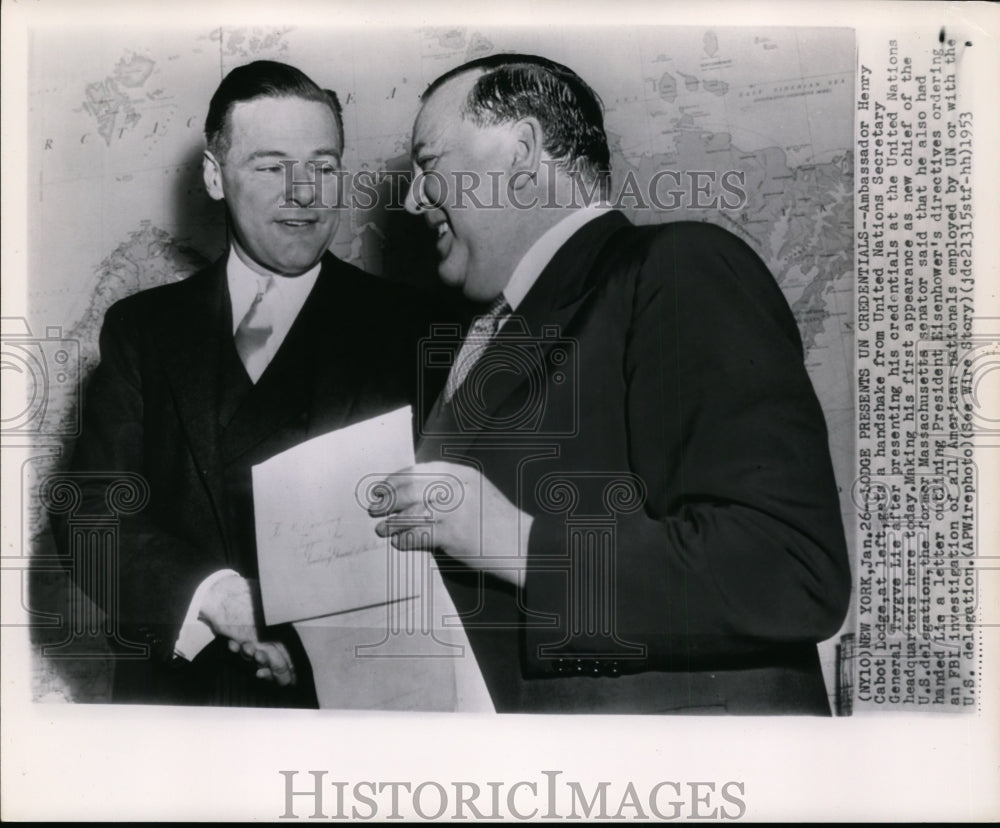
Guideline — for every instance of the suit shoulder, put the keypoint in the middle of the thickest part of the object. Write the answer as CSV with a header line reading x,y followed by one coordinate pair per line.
x,y
704,253
154,301
363,286
348,279
701,236
712,274
678,244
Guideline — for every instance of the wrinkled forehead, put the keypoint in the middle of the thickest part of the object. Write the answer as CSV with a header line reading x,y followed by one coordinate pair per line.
x,y
441,111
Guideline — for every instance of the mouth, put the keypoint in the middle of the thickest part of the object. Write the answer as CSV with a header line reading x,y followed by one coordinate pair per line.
x,y
444,236
297,223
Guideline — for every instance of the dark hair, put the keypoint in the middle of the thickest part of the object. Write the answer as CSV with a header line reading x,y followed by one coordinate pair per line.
x,y
261,79
515,86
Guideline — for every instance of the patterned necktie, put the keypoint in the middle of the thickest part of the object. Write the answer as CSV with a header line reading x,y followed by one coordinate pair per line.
x,y
482,330
254,330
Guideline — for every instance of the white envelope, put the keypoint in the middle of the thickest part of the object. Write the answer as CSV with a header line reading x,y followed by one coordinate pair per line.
x,y
378,624
317,550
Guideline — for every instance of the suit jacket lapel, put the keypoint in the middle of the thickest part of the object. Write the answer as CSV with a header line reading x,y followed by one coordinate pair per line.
x,y
316,341
190,341
547,313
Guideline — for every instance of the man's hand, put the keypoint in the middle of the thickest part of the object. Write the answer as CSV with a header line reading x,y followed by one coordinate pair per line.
x,y
274,663
485,531
230,609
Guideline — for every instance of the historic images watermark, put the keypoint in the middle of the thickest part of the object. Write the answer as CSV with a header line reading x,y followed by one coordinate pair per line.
x,y
326,186
43,376
38,371
312,795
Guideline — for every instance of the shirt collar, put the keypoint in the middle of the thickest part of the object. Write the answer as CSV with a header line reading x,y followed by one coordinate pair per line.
x,y
545,247
244,284
236,268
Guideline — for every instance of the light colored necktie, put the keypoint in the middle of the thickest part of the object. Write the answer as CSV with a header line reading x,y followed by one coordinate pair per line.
x,y
255,329
482,330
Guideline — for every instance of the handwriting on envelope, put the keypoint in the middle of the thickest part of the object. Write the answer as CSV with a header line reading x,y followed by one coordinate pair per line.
x,y
317,550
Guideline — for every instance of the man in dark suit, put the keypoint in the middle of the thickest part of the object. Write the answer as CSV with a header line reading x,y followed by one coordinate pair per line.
x,y
649,520
275,343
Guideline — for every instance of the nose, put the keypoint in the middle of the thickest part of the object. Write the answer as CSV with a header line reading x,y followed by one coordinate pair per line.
x,y
303,193
414,202
300,189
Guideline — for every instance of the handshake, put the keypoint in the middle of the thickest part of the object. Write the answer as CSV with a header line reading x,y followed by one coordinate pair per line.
x,y
232,610
232,606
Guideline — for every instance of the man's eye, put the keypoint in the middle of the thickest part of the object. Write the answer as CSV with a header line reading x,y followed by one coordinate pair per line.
x,y
326,169
270,168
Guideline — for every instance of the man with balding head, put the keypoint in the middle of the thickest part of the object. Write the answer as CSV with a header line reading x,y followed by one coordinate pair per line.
x,y
649,520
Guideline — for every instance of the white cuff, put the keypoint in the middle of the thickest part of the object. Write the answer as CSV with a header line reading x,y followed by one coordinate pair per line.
x,y
195,635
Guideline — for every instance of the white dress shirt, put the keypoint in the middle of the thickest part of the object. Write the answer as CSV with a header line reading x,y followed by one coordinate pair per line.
x,y
285,299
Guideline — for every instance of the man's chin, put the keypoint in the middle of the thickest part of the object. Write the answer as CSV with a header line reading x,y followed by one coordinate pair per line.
x,y
451,276
476,290
301,262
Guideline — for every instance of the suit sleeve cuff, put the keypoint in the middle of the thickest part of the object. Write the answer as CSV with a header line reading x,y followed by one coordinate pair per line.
x,y
195,635
543,592
578,642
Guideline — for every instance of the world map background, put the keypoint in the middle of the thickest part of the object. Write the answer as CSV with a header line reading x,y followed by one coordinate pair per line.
x,y
116,202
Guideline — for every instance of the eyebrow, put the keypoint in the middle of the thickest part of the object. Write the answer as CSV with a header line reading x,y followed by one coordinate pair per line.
x,y
279,154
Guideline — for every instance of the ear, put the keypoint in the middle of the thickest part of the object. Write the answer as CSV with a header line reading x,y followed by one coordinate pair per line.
x,y
211,171
527,152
